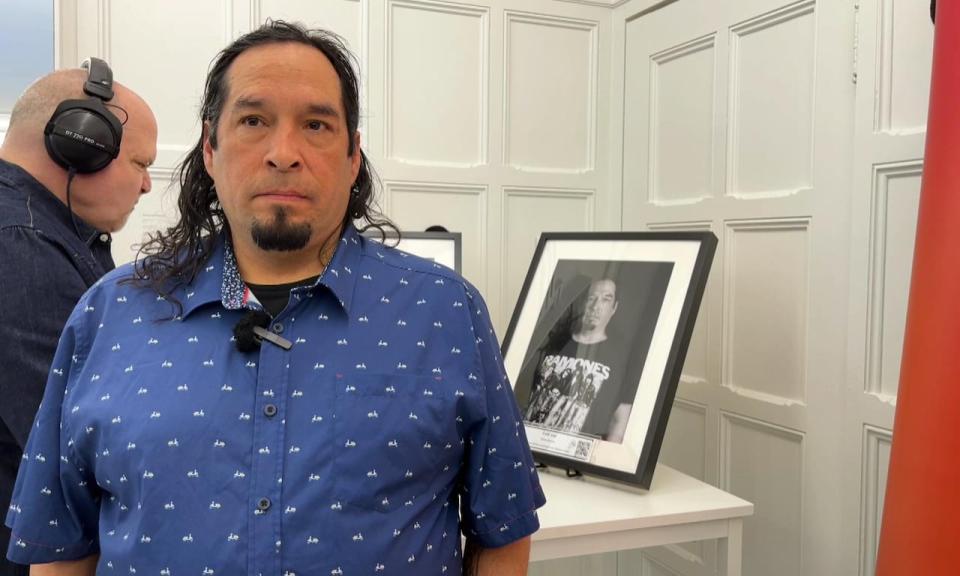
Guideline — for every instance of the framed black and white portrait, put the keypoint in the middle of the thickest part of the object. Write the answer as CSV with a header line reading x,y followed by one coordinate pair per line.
x,y
440,247
596,345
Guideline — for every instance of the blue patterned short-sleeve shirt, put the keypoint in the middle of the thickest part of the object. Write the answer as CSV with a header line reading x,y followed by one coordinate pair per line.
x,y
387,428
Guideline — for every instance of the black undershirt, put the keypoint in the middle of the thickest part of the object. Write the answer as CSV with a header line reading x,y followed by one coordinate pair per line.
x,y
274,297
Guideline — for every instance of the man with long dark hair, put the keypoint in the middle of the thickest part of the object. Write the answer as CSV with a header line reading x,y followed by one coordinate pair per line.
x,y
266,392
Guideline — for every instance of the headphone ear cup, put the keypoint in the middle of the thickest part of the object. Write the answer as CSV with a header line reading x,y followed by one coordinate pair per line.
x,y
82,135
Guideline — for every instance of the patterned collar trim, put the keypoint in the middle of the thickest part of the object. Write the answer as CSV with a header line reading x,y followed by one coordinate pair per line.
x,y
234,293
340,276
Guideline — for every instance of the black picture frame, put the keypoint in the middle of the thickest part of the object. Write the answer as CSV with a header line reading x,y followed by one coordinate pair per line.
x,y
441,247
596,394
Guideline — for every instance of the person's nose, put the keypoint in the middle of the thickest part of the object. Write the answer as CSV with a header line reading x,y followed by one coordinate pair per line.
x,y
284,154
147,184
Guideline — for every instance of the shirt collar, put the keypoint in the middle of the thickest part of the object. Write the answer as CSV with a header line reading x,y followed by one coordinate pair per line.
x,y
220,280
342,271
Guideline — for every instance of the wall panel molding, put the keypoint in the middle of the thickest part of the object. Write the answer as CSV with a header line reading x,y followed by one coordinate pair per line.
x,y
391,186
731,419
765,463
758,353
800,171
890,115
875,458
657,61
512,18
877,383
482,14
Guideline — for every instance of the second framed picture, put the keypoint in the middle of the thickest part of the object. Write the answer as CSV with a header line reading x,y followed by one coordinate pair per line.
x,y
596,345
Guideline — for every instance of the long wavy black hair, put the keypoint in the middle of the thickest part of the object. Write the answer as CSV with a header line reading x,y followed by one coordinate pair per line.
x,y
172,258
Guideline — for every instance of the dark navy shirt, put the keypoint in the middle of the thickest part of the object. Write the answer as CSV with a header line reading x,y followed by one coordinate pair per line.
x,y
366,448
44,269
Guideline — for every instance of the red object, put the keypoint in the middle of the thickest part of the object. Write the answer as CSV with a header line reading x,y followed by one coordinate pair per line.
x,y
921,515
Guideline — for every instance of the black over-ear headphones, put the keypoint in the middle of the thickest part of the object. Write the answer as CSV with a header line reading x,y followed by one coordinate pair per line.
x,y
83,136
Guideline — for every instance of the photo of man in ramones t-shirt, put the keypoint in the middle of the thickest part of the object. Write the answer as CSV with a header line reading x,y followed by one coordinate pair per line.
x,y
583,364
580,387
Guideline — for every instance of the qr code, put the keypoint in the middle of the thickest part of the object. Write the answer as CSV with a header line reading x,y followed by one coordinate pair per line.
x,y
583,449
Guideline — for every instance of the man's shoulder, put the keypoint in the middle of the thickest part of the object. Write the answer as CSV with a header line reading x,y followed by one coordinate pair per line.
x,y
28,232
29,212
14,207
423,272
116,284
393,259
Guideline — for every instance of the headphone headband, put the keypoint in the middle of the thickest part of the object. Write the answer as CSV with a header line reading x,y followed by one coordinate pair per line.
x,y
99,79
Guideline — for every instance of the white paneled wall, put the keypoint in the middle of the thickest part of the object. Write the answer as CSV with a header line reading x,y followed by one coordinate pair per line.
x,y
720,104
794,130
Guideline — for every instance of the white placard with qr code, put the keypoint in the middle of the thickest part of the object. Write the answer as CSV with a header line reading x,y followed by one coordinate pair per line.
x,y
569,445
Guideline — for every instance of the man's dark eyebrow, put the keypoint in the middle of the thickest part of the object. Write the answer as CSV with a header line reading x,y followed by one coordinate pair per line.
x,y
248,103
323,110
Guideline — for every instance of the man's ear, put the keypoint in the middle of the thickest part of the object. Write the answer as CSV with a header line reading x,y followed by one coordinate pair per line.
x,y
207,147
357,156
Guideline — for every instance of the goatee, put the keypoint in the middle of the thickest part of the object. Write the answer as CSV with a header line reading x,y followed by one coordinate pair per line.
x,y
279,233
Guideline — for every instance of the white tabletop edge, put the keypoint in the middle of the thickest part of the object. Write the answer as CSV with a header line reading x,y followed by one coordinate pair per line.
x,y
674,498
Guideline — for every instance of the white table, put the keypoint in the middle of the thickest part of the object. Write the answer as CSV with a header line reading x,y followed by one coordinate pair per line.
x,y
585,517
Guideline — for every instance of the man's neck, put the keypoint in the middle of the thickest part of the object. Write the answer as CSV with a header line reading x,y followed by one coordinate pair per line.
x,y
35,162
592,337
269,267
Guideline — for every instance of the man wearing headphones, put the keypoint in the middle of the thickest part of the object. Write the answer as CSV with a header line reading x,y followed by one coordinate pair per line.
x,y
72,167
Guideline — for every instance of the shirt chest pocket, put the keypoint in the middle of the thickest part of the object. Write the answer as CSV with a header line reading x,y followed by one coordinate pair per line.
x,y
396,439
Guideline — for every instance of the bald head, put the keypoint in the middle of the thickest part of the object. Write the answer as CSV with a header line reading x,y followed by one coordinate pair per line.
x,y
35,106
105,198
37,103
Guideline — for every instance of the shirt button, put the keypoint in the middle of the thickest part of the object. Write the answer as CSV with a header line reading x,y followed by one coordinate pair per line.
x,y
277,328
270,410
104,237
263,504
